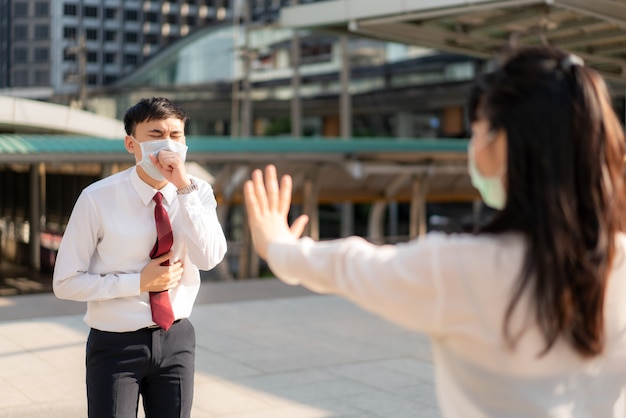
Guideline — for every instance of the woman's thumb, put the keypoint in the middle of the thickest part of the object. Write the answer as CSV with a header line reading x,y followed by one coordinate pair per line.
x,y
297,228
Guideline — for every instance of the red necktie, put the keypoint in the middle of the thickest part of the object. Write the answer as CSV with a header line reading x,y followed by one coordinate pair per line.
x,y
162,313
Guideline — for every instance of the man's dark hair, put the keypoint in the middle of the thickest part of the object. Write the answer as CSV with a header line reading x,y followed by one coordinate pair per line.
x,y
155,108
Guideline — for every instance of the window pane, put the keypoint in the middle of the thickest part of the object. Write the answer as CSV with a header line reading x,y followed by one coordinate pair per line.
x,y
130,37
41,54
132,15
20,55
20,9
90,11
108,79
42,32
150,38
69,32
42,77
69,10
20,32
151,17
130,59
110,57
69,56
42,8
20,78
91,34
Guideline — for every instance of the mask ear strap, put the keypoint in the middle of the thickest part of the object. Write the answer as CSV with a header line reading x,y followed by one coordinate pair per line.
x,y
491,136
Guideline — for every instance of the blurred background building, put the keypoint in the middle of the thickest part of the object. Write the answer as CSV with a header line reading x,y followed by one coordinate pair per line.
x,y
49,48
363,102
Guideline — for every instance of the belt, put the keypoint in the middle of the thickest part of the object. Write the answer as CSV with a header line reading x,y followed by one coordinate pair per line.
x,y
155,326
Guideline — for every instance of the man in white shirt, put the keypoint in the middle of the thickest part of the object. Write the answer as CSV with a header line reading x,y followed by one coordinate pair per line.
x,y
108,259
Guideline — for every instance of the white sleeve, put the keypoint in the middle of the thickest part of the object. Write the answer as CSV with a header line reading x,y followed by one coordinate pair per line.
x,y
399,283
205,239
71,278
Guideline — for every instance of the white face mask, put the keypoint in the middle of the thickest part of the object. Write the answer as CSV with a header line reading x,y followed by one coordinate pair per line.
x,y
153,148
491,188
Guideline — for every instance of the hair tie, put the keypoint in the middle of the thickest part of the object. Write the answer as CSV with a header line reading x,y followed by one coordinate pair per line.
x,y
571,60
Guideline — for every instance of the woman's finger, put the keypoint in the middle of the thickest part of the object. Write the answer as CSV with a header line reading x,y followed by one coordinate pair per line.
x,y
271,187
259,191
297,228
284,199
252,205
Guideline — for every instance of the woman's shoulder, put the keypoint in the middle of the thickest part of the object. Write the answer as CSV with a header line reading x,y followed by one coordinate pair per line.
x,y
470,240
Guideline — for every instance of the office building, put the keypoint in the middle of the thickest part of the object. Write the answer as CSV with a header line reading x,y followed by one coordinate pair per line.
x,y
52,49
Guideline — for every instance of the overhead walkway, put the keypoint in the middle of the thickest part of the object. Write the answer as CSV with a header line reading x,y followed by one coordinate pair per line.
x,y
358,169
593,29
30,116
378,171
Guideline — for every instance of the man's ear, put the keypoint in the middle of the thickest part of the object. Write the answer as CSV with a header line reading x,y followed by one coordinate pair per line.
x,y
129,144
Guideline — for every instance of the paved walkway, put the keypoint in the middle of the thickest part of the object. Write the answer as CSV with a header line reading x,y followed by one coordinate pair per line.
x,y
264,350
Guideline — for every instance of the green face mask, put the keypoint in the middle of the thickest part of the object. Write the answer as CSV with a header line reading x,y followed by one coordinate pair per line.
x,y
490,188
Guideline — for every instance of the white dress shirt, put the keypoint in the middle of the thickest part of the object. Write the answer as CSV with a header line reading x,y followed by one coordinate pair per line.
x,y
107,244
456,289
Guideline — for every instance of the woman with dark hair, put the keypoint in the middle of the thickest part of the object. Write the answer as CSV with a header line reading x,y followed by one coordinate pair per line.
x,y
526,316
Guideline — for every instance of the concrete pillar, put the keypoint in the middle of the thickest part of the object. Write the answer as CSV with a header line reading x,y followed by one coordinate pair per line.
x,y
234,109
405,125
296,105
417,218
347,219
393,220
222,269
37,172
246,109
248,265
345,115
377,213
311,206
477,205
244,271
375,231
345,105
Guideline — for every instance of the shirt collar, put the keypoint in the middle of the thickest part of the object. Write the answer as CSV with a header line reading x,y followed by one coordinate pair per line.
x,y
147,192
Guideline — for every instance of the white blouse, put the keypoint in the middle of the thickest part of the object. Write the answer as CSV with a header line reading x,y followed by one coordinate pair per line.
x,y
456,289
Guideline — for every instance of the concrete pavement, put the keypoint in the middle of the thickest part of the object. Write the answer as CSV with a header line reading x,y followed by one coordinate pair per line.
x,y
264,350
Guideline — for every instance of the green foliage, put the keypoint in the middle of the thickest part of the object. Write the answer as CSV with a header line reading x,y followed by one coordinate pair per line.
x,y
281,126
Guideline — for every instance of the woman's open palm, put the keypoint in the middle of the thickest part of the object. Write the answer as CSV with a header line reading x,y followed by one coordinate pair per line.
x,y
268,205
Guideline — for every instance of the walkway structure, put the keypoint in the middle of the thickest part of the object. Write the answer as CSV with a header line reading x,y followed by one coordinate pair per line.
x,y
30,116
352,170
325,171
594,30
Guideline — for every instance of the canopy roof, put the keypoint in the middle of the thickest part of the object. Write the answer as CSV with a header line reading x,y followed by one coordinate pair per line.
x,y
214,149
358,169
593,29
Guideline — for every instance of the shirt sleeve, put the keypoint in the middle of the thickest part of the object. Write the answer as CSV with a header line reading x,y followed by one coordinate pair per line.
x,y
204,237
399,282
71,278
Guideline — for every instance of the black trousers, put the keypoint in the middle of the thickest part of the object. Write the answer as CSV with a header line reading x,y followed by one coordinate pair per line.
x,y
157,364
